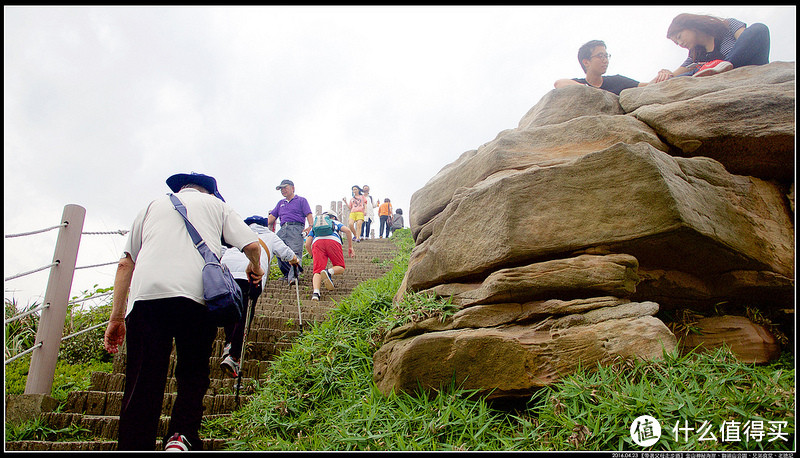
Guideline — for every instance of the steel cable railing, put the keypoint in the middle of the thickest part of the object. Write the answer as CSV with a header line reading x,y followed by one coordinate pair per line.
x,y
47,305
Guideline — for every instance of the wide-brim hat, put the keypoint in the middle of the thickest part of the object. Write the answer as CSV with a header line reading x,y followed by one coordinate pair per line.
x,y
179,180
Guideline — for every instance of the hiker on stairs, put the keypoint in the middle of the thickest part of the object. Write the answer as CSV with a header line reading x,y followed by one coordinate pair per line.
x,y
324,243
293,211
163,272
236,261
356,205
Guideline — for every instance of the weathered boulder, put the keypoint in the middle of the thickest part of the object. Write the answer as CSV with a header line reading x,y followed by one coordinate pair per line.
x,y
685,214
743,118
682,89
750,342
516,359
495,315
514,150
750,130
569,103
560,278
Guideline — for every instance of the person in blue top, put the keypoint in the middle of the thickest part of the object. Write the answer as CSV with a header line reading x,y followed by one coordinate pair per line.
x,y
325,247
716,45
293,211
594,61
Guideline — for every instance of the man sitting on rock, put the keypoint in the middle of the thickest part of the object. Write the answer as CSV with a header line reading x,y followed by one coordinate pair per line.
x,y
594,61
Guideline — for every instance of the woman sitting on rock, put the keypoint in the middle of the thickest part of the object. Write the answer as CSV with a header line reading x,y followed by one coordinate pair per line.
x,y
716,45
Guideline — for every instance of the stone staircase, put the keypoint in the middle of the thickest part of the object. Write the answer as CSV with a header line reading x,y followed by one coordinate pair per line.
x,y
275,327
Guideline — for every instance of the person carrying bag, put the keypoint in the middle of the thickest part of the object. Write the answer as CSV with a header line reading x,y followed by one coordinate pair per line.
x,y
222,295
160,307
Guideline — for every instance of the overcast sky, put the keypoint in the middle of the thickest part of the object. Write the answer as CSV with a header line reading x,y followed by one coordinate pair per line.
x,y
102,104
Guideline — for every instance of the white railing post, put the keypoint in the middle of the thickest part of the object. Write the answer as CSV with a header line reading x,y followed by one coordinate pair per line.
x,y
51,321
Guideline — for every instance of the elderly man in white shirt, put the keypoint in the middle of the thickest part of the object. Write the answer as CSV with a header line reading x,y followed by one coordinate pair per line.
x,y
163,271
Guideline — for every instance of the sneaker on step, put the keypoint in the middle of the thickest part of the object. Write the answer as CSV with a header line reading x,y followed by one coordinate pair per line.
x,y
229,366
177,443
315,297
226,350
326,278
714,67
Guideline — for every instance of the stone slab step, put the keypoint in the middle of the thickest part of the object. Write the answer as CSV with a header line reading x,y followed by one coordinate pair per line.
x,y
107,403
107,382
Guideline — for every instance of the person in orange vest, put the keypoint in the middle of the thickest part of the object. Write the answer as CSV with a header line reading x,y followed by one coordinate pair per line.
x,y
384,212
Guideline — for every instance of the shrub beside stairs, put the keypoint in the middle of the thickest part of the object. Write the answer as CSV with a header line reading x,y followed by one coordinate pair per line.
x,y
275,327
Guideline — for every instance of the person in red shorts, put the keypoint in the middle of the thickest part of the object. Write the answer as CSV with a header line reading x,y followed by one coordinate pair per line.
x,y
328,247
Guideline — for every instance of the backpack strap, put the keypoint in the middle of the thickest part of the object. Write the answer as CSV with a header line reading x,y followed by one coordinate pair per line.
x,y
264,246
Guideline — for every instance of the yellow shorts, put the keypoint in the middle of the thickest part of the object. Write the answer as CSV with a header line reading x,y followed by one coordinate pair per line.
x,y
357,216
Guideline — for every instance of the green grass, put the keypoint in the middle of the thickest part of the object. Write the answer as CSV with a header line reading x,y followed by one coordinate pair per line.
x,y
711,388
320,394
38,430
68,376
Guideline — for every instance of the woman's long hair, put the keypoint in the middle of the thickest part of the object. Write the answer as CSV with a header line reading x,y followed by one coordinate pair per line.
x,y
710,25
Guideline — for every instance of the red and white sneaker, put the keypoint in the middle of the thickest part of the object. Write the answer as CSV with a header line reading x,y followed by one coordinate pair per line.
x,y
230,366
177,443
714,67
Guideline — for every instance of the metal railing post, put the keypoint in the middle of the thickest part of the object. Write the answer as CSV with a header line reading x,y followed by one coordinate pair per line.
x,y
51,322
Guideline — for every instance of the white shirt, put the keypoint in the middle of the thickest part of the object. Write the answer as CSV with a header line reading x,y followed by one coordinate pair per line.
x,y
237,261
369,212
167,264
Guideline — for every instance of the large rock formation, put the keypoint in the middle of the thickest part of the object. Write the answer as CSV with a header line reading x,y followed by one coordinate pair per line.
x,y
561,239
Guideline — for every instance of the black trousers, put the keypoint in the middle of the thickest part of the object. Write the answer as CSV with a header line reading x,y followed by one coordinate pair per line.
x,y
234,333
151,328
384,220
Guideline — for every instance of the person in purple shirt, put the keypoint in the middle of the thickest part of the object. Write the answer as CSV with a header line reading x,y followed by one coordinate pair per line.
x,y
293,211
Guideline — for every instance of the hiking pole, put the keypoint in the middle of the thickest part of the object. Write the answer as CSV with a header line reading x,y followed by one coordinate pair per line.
x,y
249,320
297,288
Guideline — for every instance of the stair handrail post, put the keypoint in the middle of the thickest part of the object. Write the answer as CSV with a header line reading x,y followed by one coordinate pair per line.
x,y
51,321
